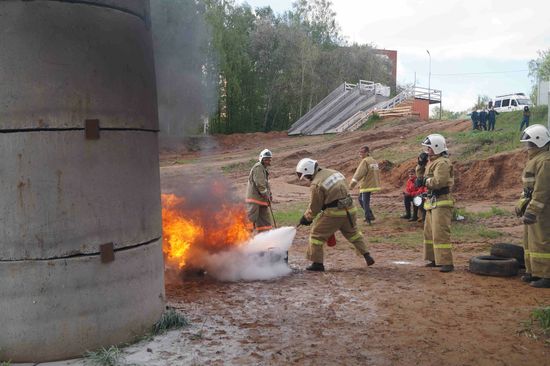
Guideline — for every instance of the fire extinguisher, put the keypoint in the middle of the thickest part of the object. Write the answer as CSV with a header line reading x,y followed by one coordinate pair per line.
x,y
331,241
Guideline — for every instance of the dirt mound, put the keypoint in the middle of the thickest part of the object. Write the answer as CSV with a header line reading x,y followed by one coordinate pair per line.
x,y
492,177
496,177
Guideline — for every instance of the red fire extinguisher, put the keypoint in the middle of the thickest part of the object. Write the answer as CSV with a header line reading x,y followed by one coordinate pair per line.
x,y
331,241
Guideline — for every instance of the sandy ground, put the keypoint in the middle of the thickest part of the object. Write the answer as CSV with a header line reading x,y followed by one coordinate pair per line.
x,y
396,312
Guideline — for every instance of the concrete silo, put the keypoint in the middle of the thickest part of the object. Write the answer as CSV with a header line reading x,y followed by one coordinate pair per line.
x,y
80,226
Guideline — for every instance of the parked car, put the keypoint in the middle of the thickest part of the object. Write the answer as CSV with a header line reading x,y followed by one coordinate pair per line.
x,y
510,102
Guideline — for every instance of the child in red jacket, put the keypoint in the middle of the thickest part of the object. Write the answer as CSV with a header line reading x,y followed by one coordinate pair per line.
x,y
408,195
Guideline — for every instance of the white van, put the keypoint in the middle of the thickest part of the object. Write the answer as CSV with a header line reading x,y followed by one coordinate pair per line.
x,y
510,102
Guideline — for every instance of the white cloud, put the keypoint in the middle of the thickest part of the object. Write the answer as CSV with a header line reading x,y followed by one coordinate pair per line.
x,y
452,28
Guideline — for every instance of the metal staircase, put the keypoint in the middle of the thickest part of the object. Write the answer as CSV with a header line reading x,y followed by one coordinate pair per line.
x,y
349,106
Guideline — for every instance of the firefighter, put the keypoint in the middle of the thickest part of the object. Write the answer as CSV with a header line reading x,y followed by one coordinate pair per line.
x,y
368,177
258,193
534,206
330,200
437,176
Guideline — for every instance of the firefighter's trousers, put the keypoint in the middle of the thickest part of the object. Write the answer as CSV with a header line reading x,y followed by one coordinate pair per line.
x,y
536,241
437,235
259,216
328,222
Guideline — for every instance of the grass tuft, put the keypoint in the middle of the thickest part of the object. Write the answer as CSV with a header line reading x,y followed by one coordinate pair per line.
x,y
105,356
170,319
542,316
236,167
538,325
289,215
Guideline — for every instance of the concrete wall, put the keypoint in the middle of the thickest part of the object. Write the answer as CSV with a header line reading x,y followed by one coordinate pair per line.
x,y
62,195
542,95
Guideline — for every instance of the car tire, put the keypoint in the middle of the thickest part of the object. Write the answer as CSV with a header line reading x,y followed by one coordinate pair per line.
x,y
489,265
506,250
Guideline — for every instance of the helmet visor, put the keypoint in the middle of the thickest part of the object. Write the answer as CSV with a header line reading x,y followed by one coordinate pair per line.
x,y
525,137
427,142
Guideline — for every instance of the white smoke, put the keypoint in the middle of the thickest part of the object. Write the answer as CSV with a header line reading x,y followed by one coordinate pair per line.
x,y
261,258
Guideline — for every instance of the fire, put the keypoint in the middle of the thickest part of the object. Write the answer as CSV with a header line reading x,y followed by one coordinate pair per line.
x,y
189,230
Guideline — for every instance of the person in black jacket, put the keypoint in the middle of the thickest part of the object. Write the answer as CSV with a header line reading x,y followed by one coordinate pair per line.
x,y
492,117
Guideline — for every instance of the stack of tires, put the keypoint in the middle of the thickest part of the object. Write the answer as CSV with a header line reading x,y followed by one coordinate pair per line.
x,y
505,261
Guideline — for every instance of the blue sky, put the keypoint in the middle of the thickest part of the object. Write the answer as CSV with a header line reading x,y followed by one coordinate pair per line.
x,y
477,47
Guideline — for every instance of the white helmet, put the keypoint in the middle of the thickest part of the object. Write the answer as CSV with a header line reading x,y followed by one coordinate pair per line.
x,y
306,167
536,134
265,154
436,142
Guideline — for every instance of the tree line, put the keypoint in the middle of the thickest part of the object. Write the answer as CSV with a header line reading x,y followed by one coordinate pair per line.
x,y
269,69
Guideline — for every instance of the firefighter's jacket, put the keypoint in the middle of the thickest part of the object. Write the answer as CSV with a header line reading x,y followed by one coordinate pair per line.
x,y
327,187
536,182
257,190
367,175
439,178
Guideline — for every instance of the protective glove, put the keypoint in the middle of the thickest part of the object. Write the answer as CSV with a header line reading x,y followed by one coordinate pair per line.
x,y
304,221
420,182
423,159
528,218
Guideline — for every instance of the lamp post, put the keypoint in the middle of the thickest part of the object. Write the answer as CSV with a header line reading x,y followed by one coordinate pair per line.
x,y
429,80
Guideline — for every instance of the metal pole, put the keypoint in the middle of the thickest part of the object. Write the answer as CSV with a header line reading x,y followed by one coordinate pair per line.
x,y
429,80
440,103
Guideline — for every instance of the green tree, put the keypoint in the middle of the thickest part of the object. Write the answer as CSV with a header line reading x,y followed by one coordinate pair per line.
x,y
482,101
539,69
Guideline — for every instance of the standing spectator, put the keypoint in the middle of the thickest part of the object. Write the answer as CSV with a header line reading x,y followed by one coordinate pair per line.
x,y
368,176
410,192
492,117
483,119
525,120
475,119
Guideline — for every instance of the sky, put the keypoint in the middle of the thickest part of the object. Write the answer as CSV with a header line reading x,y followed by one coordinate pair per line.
x,y
477,47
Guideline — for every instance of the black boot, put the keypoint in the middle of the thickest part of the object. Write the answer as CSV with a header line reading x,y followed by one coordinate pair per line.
x,y
368,259
318,267
405,216
528,277
542,283
413,218
447,268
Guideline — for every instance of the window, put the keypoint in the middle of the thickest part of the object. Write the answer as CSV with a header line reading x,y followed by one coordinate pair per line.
x,y
497,103
524,102
514,103
506,102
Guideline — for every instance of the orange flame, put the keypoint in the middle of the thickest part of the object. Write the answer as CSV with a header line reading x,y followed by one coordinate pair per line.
x,y
187,230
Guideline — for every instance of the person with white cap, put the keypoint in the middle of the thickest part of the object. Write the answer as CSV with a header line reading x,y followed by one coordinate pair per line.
x,y
534,206
438,177
332,205
258,193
